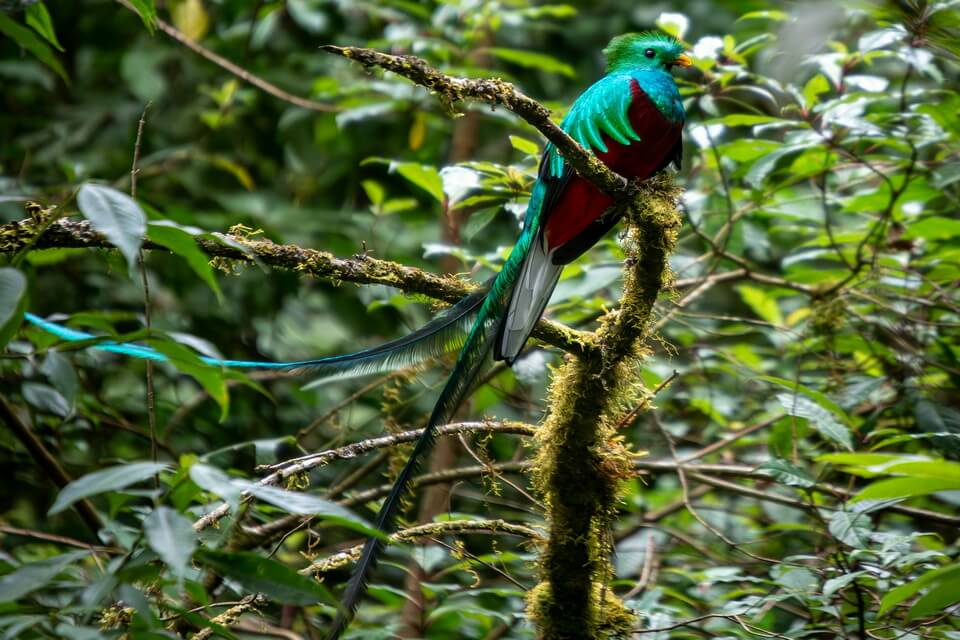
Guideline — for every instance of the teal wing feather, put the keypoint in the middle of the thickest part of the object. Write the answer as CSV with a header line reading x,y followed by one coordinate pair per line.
x,y
604,108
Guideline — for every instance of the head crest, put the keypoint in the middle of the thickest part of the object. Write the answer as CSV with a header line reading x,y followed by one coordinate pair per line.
x,y
628,49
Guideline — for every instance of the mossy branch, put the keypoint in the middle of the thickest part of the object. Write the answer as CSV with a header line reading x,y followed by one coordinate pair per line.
x,y
581,460
496,92
285,470
35,233
429,530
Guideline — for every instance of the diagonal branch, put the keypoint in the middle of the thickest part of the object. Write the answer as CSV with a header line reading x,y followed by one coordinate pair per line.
x,y
495,92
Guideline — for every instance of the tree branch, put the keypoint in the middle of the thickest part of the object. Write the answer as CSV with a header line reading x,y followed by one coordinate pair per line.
x,y
494,91
359,269
290,468
493,527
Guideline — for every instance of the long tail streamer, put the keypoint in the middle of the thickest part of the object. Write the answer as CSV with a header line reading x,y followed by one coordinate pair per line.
x,y
443,334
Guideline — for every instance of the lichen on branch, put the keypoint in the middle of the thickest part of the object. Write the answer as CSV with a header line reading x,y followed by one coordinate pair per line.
x,y
496,92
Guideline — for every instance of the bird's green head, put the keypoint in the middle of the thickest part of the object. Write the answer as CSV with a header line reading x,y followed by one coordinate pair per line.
x,y
648,50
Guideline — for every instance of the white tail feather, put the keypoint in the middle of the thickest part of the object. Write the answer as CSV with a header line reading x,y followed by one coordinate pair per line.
x,y
538,277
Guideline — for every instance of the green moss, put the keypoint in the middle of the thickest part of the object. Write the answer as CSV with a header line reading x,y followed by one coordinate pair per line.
x,y
581,460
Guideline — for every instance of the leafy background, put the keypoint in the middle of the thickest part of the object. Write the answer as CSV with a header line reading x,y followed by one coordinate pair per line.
x,y
811,329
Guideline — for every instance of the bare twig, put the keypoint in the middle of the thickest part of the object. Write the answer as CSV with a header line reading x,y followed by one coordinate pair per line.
x,y
235,69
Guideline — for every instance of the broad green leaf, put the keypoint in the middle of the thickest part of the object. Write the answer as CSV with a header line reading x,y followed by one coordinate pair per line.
x,y
749,120
905,488
814,395
46,398
934,228
525,146
13,302
787,473
533,60
182,243
423,176
833,585
28,40
171,535
941,595
259,574
109,479
216,481
60,372
116,215
823,419
211,378
852,529
909,589
815,87
33,576
39,18
762,304
939,469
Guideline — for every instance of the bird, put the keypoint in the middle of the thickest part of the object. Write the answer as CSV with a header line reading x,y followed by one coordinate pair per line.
x,y
632,119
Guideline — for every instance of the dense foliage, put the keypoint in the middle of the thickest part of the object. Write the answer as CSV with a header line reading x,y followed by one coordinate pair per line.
x,y
797,429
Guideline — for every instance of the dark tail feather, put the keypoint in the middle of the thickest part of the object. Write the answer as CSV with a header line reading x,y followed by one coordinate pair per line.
x,y
443,334
469,363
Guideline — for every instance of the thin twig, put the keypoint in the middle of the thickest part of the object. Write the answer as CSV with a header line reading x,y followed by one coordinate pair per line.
x,y
235,69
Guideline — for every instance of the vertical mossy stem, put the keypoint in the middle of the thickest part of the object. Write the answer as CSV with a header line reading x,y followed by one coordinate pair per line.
x,y
581,461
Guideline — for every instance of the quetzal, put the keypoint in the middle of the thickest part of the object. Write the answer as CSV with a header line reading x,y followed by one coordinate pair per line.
x,y
632,119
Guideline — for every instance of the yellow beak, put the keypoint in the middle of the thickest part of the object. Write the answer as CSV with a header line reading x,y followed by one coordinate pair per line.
x,y
684,60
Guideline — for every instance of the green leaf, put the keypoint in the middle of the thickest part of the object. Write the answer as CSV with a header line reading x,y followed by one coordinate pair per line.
x,y
787,473
116,215
109,479
423,176
256,573
525,146
823,419
30,577
749,120
815,87
852,529
171,535
13,302
533,60
762,304
211,378
944,593
218,482
28,40
934,228
909,589
39,18
147,12
905,488
814,395
184,244
833,585
46,398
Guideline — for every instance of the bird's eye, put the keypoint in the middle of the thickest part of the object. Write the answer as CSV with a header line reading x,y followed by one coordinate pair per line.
x,y
649,53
